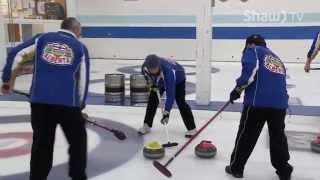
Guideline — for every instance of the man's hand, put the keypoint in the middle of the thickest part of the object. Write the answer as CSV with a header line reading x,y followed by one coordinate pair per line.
x,y
307,65
154,88
6,88
85,115
235,94
165,118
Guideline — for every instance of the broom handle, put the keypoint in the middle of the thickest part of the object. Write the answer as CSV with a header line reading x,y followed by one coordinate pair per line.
x,y
167,132
194,136
162,109
21,93
314,68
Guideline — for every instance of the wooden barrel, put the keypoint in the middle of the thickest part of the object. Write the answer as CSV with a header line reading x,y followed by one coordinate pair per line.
x,y
139,91
114,88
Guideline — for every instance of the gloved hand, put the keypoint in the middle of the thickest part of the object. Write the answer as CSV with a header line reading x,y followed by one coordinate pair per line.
x,y
85,115
165,118
6,88
154,88
307,65
235,94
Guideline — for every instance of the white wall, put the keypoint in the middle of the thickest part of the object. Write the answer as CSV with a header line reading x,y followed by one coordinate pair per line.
x,y
136,49
2,43
138,7
232,13
150,7
236,6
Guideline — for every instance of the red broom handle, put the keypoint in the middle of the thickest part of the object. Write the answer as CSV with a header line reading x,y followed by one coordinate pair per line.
x,y
200,130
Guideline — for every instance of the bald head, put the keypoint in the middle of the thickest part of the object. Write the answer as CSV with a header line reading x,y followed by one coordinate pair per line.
x,y
73,25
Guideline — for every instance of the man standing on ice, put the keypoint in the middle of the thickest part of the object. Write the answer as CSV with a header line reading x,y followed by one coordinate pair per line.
x,y
58,95
166,75
313,52
263,79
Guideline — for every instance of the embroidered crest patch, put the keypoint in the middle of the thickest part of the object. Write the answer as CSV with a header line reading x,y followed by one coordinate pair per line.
x,y
274,65
58,54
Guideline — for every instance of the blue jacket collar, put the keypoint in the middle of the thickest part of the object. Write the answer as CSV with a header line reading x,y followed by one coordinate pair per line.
x,y
68,33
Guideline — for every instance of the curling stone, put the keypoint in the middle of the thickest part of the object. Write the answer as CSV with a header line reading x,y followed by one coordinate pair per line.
x,y
315,145
153,150
205,150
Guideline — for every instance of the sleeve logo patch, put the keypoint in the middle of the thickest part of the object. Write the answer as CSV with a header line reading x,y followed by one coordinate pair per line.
x,y
274,64
58,54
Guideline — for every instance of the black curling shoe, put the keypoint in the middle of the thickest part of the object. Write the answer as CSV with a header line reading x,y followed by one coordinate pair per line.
x,y
236,175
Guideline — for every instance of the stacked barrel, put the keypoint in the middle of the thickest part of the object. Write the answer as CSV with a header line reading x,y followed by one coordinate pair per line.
x,y
114,88
139,91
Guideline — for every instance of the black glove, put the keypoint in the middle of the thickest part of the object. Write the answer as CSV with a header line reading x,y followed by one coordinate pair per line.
x,y
165,118
235,94
153,88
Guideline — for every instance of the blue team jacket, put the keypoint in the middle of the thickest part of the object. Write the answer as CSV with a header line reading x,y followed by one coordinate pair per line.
x,y
315,47
61,69
171,74
264,79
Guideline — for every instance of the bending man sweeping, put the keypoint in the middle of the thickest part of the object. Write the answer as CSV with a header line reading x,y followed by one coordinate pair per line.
x,y
166,75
